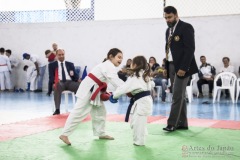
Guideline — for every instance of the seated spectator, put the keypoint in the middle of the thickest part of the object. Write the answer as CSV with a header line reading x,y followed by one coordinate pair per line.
x,y
159,79
206,75
153,63
123,73
226,68
31,77
64,77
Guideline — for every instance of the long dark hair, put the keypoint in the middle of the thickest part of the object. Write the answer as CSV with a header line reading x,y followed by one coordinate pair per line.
x,y
141,63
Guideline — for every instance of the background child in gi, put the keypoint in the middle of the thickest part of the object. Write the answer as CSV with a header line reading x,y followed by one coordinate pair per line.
x,y
139,85
88,97
31,77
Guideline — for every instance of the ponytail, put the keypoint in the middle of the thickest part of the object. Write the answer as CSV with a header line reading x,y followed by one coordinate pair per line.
x,y
146,72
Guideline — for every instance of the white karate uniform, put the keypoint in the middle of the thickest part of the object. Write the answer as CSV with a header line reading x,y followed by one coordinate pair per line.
x,y
105,72
32,77
141,107
14,63
5,68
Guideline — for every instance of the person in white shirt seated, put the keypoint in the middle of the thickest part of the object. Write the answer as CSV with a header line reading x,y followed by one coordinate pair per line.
x,y
226,68
206,75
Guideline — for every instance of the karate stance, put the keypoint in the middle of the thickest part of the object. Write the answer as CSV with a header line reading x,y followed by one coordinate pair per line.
x,y
139,85
89,96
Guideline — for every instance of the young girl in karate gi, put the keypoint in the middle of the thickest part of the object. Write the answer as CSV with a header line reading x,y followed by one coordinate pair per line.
x,y
89,97
139,85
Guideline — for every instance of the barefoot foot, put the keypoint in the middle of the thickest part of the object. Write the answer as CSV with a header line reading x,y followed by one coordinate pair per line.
x,y
106,137
65,139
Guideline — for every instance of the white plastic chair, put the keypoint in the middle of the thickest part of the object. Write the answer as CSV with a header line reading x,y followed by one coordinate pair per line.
x,y
66,99
228,82
238,89
190,88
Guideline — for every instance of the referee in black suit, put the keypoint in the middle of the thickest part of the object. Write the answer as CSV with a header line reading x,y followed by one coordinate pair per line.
x,y
180,47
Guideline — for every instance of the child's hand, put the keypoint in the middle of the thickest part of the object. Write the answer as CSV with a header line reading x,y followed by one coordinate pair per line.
x,y
112,100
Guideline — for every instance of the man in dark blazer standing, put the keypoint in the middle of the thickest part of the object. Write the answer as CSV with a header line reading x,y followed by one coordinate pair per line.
x,y
180,47
63,76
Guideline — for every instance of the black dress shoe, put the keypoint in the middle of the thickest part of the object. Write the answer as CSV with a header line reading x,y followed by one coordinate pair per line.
x,y
56,112
169,128
182,127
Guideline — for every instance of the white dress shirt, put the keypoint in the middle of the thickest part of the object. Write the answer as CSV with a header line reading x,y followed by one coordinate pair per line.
x,y
170,53
60,71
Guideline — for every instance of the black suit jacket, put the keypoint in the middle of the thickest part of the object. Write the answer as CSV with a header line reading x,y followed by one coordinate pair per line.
x,y
182,48
70,67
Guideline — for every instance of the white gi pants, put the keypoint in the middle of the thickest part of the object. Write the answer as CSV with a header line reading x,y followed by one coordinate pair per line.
x,y
138,124
33,81
80,111
5,81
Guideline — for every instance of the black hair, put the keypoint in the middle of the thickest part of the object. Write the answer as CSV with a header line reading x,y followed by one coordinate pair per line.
x,y
2,50
9,51
164,60
141,63
47,51
226,58
104,59
202,57
25,67
152,58
113,52
128,65
170,9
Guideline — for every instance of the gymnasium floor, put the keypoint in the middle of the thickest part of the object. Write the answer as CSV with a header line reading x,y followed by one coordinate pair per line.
x,y
29,131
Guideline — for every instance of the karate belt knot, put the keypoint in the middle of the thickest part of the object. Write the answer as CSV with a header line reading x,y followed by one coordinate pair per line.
x,y
133,99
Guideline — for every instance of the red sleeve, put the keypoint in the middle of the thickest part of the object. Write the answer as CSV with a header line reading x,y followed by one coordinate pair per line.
x,y
51,57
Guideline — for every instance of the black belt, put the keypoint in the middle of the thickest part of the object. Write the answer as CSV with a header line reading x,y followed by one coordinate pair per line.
x,y
170,62
133,99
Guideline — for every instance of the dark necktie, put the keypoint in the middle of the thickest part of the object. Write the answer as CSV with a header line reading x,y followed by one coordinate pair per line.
x,y
63,73
169,42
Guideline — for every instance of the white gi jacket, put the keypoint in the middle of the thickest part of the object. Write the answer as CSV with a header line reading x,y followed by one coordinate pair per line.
x,y
14,61
5,64
105,72
136,85
31,73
